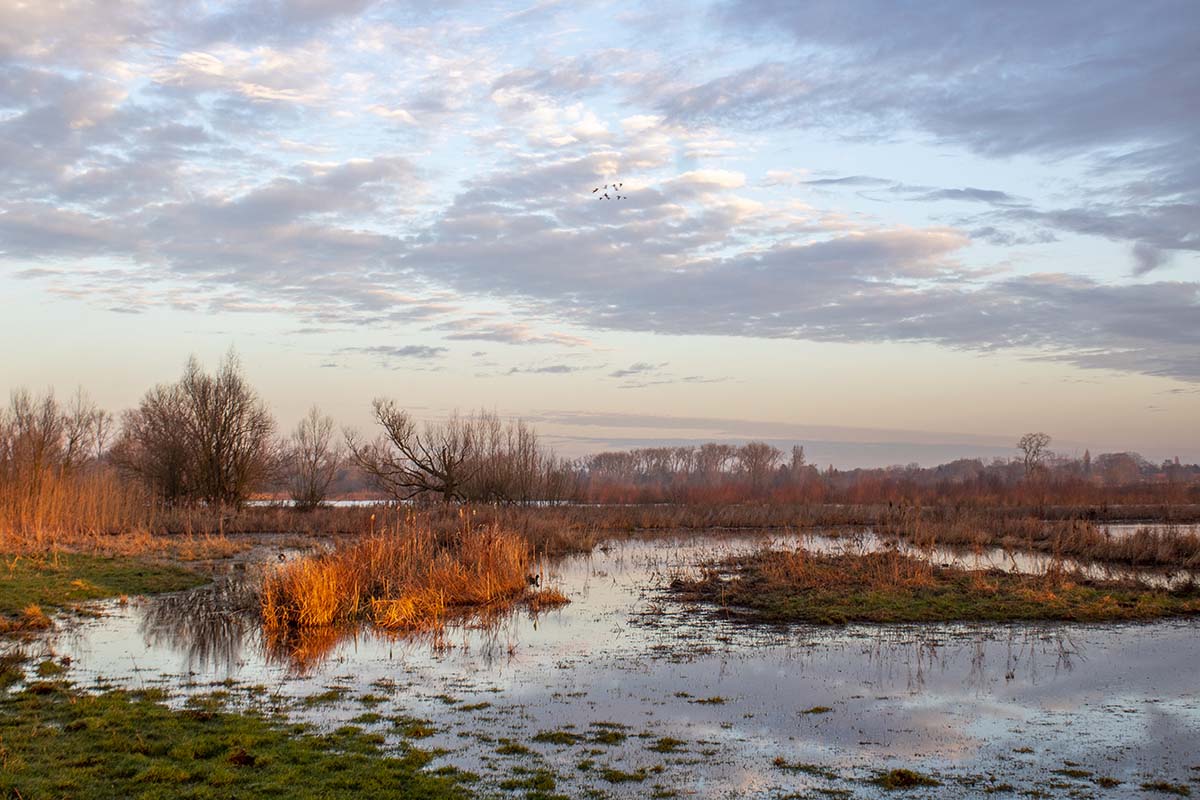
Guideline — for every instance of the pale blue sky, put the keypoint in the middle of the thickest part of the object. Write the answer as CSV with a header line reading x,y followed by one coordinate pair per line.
x,y
939,223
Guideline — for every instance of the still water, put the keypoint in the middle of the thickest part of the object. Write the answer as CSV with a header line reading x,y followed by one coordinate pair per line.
x,y
975,705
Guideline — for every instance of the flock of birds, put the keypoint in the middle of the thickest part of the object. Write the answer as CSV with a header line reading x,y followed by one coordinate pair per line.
x,y
616,190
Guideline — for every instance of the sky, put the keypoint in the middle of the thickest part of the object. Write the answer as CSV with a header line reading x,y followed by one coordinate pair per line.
x,y
893,232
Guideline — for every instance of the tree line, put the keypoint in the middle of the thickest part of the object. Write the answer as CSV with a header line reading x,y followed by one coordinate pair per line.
x,y
210,439
716,473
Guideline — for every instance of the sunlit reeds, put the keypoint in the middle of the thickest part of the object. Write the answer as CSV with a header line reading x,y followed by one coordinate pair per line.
x,y
50,507
405,579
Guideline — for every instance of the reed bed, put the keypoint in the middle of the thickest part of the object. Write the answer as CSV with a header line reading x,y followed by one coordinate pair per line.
x,y
55,508
409,579
1150,545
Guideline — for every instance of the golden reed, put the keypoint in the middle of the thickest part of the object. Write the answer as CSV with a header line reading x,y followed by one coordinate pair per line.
x,y
408,579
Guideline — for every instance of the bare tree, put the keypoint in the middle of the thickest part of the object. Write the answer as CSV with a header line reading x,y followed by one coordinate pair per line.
x,y
406,461
713,459
36,432
758,460
230,430
208,437
86,429
313,460
40,434
154,444
473,457
1034,447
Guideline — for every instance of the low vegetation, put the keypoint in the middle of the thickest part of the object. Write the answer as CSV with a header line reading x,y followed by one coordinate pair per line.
x,y
409,579
31,586
887,586
904,779
57,742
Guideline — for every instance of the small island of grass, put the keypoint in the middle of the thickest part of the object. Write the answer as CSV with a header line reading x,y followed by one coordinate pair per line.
x,y
892,587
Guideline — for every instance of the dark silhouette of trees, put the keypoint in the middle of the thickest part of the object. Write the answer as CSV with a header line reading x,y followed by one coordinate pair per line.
x,y
476,457
406,461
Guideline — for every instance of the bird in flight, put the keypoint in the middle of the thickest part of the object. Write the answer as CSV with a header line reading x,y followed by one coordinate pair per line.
x,y
616,192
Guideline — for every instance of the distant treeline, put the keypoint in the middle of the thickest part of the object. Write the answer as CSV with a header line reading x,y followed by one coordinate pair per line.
x,y
723,473
208,440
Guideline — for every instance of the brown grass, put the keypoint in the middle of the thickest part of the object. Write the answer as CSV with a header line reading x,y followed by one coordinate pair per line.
x,y
544,599
53,508
408,579
889,586
1162,545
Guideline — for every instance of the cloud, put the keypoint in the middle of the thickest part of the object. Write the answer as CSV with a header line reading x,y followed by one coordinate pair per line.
x,y
418,351
1147,258
1118,87
506,333
549,369
990,196
849,180
637,368
641,374
366,167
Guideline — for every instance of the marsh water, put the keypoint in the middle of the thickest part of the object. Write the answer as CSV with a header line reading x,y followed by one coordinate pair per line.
x,y
693,703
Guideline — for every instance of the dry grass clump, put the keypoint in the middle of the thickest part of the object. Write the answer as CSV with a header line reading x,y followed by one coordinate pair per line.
x,y
544,599
31,618
886,568
409,580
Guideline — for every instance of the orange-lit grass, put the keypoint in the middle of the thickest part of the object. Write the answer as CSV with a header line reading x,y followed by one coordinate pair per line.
x,y
406,580
548,598
53,508
93,510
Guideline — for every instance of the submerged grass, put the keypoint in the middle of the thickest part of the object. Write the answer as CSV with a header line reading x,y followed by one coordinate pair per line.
x,y
57,742
904,779
799,586
32,585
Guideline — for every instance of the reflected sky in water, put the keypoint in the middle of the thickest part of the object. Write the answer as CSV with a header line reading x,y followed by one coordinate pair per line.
x,y
956,700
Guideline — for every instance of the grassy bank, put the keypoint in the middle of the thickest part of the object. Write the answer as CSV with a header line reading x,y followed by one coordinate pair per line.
x,y
57,742
31,586
798,586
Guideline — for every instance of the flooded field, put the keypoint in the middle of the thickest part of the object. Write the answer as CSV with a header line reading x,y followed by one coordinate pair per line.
x,y
627,693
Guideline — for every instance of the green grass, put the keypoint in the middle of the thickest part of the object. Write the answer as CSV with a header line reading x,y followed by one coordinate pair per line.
x,y
413,727
904,779
64,579
613,775
889,587
816,770
62,743
667,744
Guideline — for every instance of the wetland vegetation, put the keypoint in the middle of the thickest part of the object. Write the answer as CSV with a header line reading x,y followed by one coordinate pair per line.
x,y
796,585
451,610
61,741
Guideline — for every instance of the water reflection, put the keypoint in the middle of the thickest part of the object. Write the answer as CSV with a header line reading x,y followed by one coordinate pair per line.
x,y
944,697
211,626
